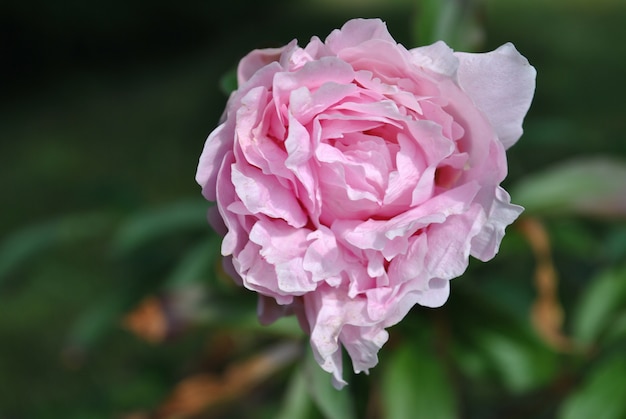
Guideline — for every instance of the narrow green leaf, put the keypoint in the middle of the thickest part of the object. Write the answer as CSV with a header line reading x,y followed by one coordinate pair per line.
x,y
145,227
96,321
602,395
333,403
27,243
297,402
415,385
595,187
599,303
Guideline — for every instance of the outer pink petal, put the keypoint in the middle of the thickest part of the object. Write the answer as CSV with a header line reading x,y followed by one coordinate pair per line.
x,y
215,147
436,295
485,245
336,319
357,31
437,57
283,247
363,344
449,243
501,83
256,60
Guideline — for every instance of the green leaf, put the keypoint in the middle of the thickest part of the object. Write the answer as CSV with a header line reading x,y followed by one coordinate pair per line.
x,y
228,82
96,321
595,187
615,246
599,304
297,402
415,385
451,21
196,263
333,403
150,225
497,341
617,329
27,243
602,395
521,364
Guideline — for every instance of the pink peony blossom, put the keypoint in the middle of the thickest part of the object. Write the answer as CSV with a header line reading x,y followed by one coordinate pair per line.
x,y
353,178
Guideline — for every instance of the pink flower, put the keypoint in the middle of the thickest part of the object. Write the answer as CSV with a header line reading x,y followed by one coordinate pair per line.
x,y
354,178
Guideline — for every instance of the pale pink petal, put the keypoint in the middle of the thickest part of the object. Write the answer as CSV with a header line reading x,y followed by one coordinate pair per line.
x,y
305,105
390,60
220,141
283,247
502,84
449,243
410,265
485,245
375,234
255,60
324,321
297,144
263,194
363,344
279,241
437,57
357,31
312,75
436,295
322,258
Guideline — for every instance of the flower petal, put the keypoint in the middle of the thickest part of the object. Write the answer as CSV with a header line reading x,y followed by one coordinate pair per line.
x,y
502,84
485,245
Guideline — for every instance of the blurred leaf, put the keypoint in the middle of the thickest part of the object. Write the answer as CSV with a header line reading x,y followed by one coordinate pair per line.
x,y
586,187
285,326
94,322
617,329
147,226
494,338
580,240
333,403
228,82
615,249
603,394
297,402
196,263
28,242
200,392
415,385
521,364
605,294
451,21
234,312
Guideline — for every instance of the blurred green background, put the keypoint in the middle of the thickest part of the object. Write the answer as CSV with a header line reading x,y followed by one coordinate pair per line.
x,y
104,110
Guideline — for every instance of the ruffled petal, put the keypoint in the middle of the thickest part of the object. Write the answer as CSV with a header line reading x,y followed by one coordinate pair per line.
x,y
485,244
